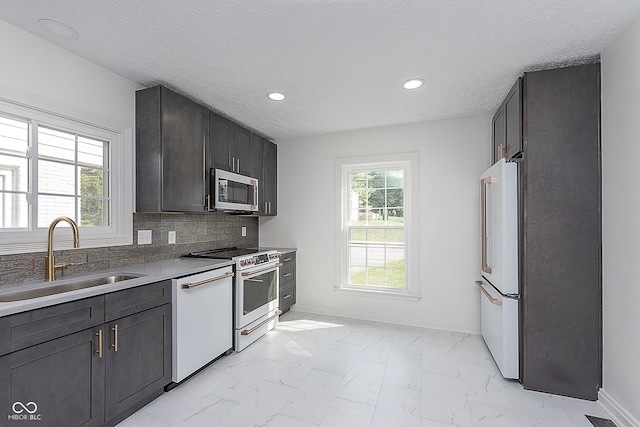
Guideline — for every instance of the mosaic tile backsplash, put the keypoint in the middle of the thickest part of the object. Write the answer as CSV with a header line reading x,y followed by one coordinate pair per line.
x,y
193,233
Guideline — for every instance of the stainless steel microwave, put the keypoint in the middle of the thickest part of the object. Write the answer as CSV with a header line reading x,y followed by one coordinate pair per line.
x,y
234,192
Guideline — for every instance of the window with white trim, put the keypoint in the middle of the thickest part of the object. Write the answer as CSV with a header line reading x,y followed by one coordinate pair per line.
x,y
53,166
376,201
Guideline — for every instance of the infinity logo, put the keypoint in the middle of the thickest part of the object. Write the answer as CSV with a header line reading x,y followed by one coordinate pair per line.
x,y
19,407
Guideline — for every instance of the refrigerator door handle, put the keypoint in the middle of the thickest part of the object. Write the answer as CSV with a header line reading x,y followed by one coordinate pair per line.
x,y
493,300
485,225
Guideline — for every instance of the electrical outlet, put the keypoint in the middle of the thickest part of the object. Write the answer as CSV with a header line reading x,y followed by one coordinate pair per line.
x,y
172,238
144,237
244,231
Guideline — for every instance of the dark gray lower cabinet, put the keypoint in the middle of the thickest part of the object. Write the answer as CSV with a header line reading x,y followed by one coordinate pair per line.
x,y
140,366
287,289
76,375
57,383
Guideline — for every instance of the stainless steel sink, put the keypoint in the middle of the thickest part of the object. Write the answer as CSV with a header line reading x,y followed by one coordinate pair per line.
x,y
65,287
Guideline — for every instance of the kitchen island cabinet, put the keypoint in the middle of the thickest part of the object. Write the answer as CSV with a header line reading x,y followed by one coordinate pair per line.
x,y
172,134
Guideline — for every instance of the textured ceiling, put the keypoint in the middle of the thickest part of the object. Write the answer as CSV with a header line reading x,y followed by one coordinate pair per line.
x,y
340,62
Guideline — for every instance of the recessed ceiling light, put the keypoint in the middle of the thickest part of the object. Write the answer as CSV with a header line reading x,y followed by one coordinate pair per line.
x,y
58,29
276,96
412,84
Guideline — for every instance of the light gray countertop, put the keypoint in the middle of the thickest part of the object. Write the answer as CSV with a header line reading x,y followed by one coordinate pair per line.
x,y
150,273
281,250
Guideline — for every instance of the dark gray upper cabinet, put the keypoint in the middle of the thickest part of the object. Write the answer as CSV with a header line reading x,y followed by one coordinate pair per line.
x,y
560,232
242,150
499,135
231,146
220,129
171,141
507,125
269,183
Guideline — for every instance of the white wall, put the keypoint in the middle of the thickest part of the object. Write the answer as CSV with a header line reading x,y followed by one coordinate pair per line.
x,y
453,154
34,66
621,225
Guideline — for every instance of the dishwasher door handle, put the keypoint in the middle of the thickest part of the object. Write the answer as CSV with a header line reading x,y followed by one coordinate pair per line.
x,y
204,282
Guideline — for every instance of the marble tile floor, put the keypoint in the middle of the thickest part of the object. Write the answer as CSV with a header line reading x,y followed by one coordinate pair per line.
x,y
316,370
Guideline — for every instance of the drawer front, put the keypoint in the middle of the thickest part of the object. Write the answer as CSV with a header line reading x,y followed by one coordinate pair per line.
x,y
288,258
134,300
287,297
287,275
23,330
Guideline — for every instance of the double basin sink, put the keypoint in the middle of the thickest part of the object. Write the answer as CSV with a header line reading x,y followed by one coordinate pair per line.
x,y
53,288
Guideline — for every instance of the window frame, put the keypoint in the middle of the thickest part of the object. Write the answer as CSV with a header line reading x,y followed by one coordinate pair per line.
x,y
343,167
119,135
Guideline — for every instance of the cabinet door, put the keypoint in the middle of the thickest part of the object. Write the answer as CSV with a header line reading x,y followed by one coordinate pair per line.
x,y
138,357
184,139
257,169
242,150
220,130
269,178
513,121
60,381
499,135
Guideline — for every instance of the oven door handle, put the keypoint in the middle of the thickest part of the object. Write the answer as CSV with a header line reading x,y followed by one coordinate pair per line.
x,y
204,282
277,313
251,273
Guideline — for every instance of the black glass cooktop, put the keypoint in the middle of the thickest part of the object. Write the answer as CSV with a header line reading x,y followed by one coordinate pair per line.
x,y
222,253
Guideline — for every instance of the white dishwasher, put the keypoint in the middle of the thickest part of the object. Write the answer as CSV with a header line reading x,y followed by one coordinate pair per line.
x,y
202,318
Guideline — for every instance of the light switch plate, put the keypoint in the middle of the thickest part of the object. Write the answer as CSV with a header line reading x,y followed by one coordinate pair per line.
x,y
244,231
144,237
172,238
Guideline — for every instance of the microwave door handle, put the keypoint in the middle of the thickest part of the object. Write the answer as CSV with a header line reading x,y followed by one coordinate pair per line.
x,y
254,184
485,224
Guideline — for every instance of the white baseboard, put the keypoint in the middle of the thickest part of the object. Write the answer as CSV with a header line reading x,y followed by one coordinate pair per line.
x,y
620,416
421,323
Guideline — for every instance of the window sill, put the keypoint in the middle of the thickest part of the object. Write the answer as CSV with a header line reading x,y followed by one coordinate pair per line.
x,y
378,294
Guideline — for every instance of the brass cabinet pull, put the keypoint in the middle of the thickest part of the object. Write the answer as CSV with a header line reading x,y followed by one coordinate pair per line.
x,y
485,238
248,331
286,275
115,337
99,350
287,296
204,282
251,273
286,260
493,300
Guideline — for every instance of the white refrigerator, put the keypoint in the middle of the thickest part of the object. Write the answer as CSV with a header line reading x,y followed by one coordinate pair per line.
x,y
499,285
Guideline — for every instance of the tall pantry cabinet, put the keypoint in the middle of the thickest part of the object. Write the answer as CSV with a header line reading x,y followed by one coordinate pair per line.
x,y
560,235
